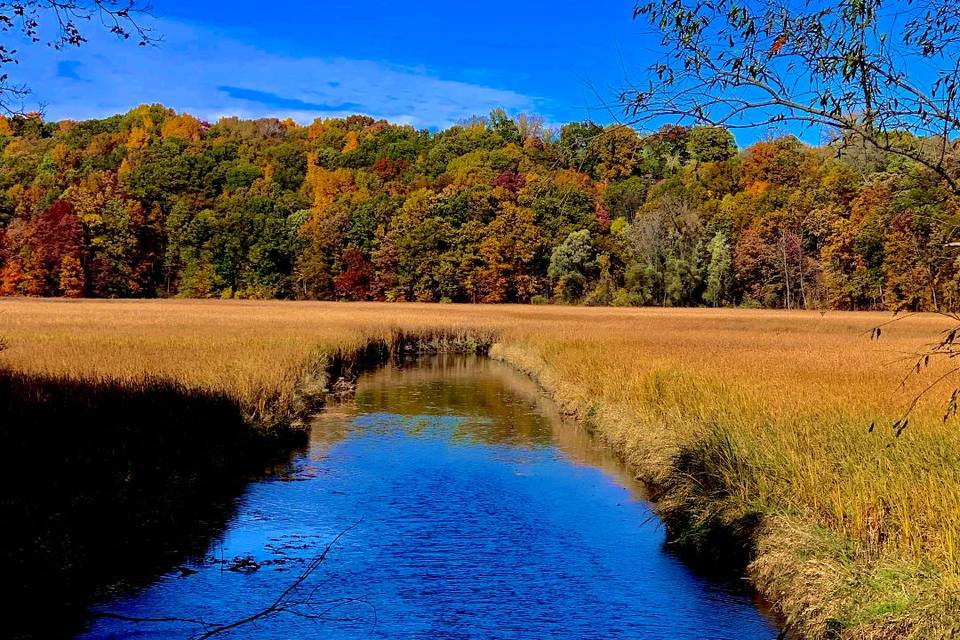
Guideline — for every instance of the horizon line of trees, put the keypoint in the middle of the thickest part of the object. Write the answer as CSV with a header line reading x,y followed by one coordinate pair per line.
x,y
153,203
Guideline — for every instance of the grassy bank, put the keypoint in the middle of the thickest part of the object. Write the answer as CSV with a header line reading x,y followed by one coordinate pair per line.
x,y
751,426
109,483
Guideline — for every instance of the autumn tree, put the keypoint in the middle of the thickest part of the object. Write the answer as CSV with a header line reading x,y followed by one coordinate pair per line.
x,y
72,281
617,151
354,282
507,252
36,251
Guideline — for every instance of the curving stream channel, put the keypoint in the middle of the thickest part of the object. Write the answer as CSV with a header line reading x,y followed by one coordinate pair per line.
x,y
467,508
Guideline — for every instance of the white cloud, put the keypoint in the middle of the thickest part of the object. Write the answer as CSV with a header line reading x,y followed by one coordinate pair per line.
x,y
198,71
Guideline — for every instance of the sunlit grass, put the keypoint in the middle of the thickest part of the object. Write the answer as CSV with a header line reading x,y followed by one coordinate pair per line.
x,y
791,394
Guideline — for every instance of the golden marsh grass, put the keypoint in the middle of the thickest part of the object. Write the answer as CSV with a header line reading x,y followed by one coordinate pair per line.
x,y
861,530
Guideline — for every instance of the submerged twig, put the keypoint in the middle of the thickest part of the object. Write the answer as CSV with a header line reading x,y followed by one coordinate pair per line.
x,y
286,602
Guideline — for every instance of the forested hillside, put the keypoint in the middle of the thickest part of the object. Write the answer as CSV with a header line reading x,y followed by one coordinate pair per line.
x,y
154,203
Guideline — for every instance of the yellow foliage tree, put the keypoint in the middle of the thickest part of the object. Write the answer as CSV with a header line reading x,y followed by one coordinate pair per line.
x,y
325,184
125,169
26,200
17,147
184,127
351,142
72,281
90,196
139,138
60,154
316,129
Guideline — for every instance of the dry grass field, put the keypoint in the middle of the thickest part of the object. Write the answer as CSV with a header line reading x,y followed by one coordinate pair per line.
x,y
753,422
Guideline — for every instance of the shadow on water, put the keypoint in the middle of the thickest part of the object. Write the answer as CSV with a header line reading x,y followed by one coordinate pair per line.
x,y
106,487
478,512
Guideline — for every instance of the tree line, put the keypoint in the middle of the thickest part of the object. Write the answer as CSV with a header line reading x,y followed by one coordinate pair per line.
x,y
496,209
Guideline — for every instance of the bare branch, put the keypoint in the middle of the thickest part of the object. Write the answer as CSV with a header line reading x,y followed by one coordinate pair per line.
x,y
835,65
60,24
289,601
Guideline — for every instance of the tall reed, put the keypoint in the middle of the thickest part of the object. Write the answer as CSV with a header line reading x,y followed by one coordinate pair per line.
x,y
751,422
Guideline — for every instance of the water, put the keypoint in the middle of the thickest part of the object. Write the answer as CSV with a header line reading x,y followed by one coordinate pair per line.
x,y
467,509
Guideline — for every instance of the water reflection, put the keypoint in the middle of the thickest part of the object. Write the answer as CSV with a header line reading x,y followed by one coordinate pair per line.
x,y
480,514
493,404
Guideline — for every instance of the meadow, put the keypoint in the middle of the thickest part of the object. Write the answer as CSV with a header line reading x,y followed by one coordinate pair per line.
x,y
752,428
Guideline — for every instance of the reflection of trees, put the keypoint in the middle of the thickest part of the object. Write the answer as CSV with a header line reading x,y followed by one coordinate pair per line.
x,y
489,407
494,404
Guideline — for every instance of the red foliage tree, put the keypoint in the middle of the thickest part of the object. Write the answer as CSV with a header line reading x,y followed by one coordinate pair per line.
x,y
354,282
387,169
34,252
509,180
59,235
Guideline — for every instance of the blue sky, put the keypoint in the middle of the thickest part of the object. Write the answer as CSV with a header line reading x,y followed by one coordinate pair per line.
x,y
429,63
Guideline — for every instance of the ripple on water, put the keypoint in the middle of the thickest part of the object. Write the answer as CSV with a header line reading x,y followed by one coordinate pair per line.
x,y
479,514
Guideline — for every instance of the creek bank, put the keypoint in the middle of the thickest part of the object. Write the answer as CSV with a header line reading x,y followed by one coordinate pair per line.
x,y
97,470
677,480
471,495
144,463
337,374
811,576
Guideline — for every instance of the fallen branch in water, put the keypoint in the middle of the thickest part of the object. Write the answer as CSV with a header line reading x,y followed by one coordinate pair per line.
x,y
287,602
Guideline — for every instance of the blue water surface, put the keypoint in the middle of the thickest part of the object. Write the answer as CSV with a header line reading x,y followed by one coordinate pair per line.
x,y
467,510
